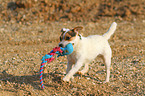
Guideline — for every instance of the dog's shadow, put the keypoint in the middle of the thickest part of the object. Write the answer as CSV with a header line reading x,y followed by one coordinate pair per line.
x,y
34,81
26,79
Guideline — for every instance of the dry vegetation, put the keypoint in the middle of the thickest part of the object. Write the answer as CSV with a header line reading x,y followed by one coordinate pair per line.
x,y
23,42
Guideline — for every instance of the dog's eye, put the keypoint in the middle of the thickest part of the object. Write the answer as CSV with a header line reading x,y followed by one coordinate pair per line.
x,y
67,38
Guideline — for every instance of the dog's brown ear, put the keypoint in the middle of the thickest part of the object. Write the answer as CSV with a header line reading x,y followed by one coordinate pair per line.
x,y
78,28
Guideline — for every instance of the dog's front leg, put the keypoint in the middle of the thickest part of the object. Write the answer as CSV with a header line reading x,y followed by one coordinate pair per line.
x,y
75,68
69,66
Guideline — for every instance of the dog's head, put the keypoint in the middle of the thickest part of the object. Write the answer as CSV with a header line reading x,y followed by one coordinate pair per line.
x,y
69,36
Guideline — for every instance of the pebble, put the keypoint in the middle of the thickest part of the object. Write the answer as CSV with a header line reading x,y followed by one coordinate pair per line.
x,y
88,78
74,89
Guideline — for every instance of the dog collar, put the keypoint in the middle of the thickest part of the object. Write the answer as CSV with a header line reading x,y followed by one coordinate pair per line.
x,y
80,36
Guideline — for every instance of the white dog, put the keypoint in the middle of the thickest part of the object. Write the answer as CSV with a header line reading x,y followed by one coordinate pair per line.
x,y
86,49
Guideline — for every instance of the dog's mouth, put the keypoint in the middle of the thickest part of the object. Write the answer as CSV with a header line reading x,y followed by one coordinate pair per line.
x,y
61,45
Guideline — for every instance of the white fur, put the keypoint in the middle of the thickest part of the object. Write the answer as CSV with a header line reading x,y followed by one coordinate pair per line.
x,y
87,49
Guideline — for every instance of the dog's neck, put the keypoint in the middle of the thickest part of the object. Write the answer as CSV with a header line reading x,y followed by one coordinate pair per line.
x,y
78,39
80,36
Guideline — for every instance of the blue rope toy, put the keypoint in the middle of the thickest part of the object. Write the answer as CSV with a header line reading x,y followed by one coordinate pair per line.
x,y
49,57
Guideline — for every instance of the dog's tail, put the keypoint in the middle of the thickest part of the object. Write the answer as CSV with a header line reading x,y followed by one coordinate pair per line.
x,y
110,31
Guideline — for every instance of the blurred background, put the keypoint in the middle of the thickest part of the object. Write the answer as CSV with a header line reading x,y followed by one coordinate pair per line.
x,y
69,10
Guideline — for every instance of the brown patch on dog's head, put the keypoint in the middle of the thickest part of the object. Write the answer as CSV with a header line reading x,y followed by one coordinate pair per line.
x,y
69,36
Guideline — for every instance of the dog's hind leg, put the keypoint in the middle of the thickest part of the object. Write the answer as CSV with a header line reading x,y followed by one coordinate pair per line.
x,y
107,61
74,69
84,70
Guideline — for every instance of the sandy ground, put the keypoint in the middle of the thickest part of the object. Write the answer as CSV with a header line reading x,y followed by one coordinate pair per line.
x,y
22,45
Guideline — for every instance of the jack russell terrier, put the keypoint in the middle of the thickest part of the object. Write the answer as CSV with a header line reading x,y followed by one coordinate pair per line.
x,y
86,49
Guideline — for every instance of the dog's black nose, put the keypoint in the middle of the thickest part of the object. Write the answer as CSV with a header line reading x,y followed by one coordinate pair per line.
x,y
60,45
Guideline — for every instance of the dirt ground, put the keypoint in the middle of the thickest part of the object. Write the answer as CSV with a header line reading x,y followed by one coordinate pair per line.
x,y
28,31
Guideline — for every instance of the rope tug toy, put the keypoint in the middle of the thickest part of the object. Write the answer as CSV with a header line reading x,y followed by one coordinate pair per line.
x,y
49,57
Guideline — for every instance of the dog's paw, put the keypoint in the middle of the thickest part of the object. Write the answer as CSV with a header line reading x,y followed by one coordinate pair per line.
x,y
66,79
80,73
105,81
72,78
